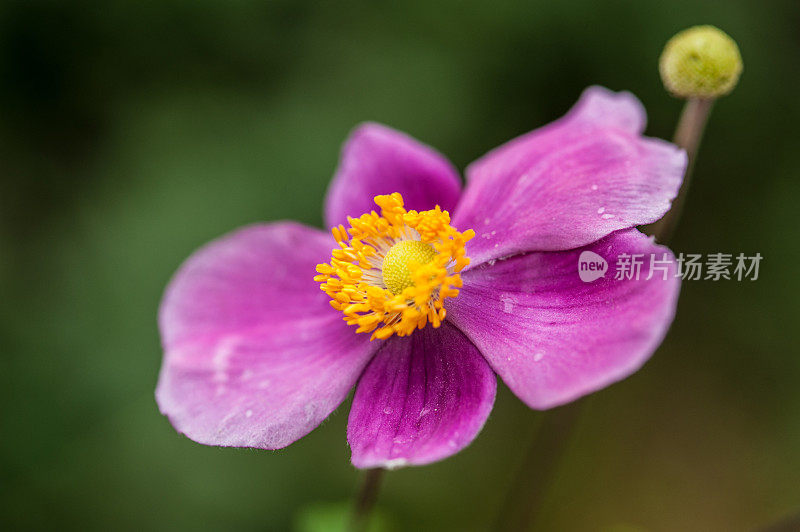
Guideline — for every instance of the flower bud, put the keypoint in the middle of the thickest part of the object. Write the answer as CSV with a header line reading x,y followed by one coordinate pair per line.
x,y
700,62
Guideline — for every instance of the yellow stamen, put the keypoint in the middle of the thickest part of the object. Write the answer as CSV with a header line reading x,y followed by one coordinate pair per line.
x,y
392,271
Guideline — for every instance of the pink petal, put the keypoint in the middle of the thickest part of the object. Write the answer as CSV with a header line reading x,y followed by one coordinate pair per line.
x,y
571,182
379,160
254,355
552,337
422,398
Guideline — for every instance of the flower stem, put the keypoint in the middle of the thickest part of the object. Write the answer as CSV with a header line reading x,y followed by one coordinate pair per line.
x,y
687,135
540,463
365,500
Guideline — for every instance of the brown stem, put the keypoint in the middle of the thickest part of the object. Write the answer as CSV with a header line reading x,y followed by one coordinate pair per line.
x,y
365,500
687,135
541,461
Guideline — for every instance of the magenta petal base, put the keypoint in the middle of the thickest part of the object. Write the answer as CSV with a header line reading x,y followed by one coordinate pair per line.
x,y
242,367
421,399
380,160
553,338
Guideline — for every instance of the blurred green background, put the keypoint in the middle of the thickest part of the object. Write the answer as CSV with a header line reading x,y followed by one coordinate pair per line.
x,y
133,132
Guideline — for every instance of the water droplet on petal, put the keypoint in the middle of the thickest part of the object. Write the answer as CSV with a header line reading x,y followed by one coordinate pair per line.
x,y
508,303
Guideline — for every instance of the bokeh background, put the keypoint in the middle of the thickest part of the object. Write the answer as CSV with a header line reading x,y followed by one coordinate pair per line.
x,y
133,132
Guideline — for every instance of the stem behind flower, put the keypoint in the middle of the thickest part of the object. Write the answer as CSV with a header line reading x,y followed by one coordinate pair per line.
x,y
365,500
541,461
688,134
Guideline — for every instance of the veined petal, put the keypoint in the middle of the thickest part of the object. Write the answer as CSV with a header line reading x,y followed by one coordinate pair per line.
x,y
378,160
253,354
571,182
422,398
552,337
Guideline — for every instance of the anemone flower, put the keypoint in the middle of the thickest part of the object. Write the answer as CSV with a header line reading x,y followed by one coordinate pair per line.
x,y
416,314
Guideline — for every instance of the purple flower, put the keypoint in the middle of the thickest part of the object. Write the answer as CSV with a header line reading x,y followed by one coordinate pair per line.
x,y
256,357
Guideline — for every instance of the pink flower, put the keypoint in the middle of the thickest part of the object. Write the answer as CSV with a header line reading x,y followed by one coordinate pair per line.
x,y
256,357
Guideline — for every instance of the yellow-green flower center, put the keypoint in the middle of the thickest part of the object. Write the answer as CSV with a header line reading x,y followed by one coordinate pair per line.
x,y
397,263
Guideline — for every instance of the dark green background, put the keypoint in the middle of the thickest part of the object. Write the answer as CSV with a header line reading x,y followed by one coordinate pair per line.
x,y
133,132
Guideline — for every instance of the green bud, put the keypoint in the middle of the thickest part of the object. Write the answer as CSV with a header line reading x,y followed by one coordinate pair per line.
x,y
700,62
